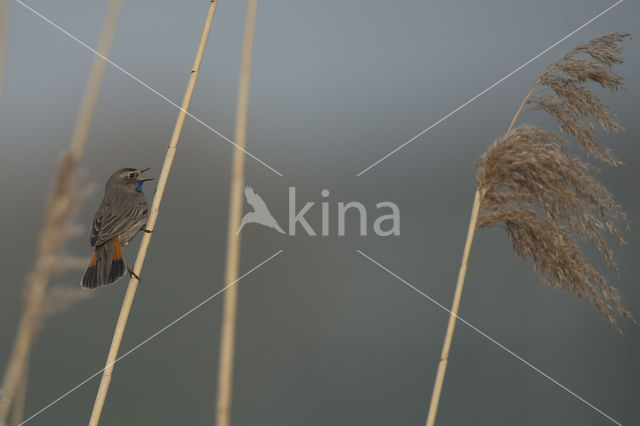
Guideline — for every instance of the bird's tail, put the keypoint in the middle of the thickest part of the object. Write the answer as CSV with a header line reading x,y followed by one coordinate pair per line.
x,y
106,265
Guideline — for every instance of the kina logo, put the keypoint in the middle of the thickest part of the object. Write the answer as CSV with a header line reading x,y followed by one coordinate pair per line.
x,y
384,225
260,213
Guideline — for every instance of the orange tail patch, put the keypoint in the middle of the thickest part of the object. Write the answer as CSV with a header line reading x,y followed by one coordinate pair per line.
x,y
117,249
94,259
106,265
118,267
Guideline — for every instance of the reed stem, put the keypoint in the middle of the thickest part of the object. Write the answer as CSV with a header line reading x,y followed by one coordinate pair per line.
x,y
444,357
227,338
153,215
571,196
57,212
96,77
462,272
22,345
522,104
17,413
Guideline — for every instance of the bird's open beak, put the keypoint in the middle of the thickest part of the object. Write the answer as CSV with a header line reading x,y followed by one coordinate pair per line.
x,y
142,171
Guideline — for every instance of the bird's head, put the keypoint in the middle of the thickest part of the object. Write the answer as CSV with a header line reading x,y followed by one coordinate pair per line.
x,y
128,177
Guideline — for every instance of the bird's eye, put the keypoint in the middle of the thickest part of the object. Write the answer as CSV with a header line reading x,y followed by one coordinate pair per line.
x,y
132,175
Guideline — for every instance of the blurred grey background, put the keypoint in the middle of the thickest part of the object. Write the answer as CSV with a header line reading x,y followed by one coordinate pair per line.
x,y
324,336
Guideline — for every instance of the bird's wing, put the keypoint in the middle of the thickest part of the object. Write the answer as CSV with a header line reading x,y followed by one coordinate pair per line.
x,y
254,199
111,221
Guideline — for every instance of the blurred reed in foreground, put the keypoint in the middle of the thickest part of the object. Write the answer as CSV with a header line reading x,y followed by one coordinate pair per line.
x,y
58,299
548,200
228,327
51,259
59,223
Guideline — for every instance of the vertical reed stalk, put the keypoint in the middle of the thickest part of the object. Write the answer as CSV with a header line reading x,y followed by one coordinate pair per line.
x,y
548,201
59,209
444,357
21,398
153,215
96,76
455,306
522,104
227,338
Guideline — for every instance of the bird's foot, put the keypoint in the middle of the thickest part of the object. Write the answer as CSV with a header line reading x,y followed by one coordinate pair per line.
x,y
133,274
147,231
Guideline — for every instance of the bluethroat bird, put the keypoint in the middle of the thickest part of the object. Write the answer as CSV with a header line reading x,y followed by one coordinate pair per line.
x,y
121,215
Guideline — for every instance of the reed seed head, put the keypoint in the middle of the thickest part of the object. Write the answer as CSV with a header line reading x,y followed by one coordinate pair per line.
x,y
548,200
560,91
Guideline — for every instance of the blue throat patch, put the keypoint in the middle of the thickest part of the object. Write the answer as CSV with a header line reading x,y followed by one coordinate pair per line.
x,y
138,185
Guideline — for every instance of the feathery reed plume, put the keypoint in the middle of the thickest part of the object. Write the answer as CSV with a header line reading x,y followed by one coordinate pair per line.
x,y
4,30
560,91
227,337
59,227
153,215
548,200
60,298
